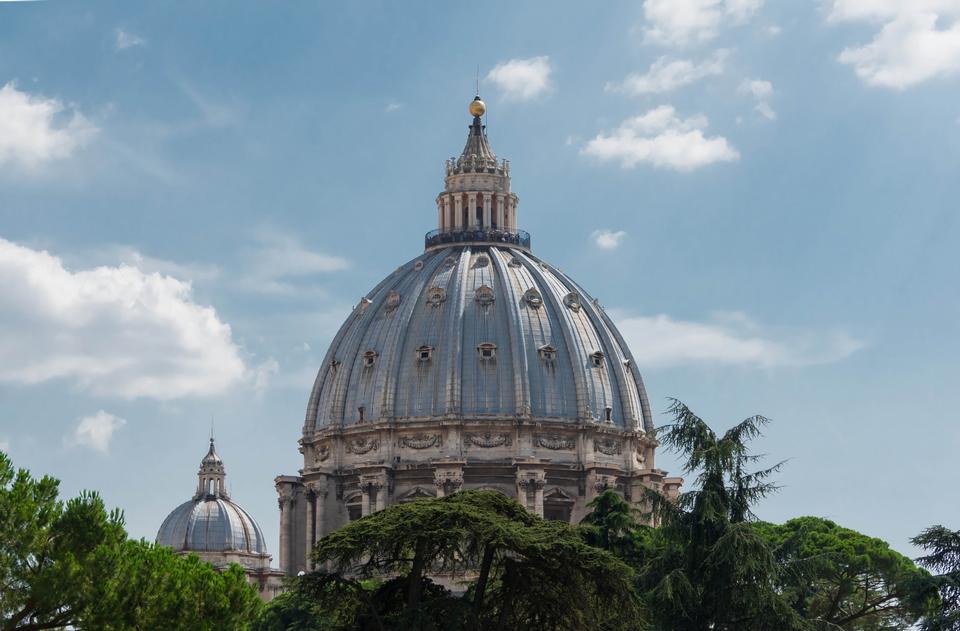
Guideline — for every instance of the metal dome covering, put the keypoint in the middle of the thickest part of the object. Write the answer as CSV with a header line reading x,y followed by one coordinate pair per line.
x,y
211,524
478,331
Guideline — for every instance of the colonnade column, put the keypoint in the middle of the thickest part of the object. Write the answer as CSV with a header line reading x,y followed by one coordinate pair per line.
x,y
310,496
486,210
472,209
458,212
286,562
447,222
500,224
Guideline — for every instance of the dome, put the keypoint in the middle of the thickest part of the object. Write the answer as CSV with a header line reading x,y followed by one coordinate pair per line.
x,y
211,522
211,525
478,331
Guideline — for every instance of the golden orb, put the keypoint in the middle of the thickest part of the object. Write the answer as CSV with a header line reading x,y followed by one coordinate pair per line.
x,y
477,107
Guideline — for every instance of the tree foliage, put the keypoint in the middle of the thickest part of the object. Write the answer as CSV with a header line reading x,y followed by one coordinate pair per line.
x,y
943,557
707,567
843,578
514,570
69,564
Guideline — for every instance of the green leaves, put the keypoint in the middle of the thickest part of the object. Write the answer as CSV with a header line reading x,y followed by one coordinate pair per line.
x,y
69,564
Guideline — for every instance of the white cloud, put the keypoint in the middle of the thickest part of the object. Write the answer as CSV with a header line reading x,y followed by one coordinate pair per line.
x,y
761,91
608,239
685,22
393,106
35,130
666,74
113,331
280,259
918,40
662,139
729,339
96,430
521,79
124,39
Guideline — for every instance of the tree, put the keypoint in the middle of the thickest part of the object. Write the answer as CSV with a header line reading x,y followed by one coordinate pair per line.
x,y
843,578
519,571
943,547
708,568
69,564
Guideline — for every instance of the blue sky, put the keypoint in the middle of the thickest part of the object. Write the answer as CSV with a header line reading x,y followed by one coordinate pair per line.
x,y
763,193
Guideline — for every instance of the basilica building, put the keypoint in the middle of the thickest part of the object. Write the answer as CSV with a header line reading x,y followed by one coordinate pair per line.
x,y
476,365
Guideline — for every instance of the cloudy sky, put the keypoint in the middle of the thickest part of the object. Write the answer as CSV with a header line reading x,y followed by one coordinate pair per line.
x,y
764,194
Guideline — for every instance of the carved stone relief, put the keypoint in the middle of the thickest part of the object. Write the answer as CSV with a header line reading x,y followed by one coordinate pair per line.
x,y
488,440
533,298
393,301
608,446
321,454
419,441
572,301
554,442
361,446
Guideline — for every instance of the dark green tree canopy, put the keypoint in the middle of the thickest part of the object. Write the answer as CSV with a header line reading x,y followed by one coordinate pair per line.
x,y
839,576
515,569
943,558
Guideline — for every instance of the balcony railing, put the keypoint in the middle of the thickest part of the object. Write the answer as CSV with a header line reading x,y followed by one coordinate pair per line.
x,y
519,238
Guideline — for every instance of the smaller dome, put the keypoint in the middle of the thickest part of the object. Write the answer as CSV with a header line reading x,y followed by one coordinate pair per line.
x,y
211,525
477,106
211,522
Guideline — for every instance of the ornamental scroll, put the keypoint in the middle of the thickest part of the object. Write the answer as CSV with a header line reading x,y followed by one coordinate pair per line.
x,y
488,440
419,441
361,446
608,446
554,442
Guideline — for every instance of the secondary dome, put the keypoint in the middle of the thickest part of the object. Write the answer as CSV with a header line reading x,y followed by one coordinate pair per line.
x,y
210,521
478,330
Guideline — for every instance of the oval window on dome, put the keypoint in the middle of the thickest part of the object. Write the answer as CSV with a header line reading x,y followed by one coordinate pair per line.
x,y
484,295
370,358
572,301
533,298
436,296
418,266
547,353
514,262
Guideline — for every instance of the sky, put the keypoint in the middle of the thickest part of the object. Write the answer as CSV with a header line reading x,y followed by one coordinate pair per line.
x,y
762,193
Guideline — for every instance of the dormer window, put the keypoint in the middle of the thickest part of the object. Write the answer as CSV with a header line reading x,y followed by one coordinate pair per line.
x,y
484,295
533,298
597,359
425,353
487,351
370,358
548,353
436,296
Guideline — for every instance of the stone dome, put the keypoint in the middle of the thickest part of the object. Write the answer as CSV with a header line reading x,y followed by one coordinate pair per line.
x,y
210,522
478,331
211,525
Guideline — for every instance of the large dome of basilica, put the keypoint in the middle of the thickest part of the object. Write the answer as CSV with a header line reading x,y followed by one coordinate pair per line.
x,y
474,365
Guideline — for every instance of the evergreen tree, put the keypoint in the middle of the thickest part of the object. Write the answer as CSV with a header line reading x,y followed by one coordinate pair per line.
x,y
708,568
943,547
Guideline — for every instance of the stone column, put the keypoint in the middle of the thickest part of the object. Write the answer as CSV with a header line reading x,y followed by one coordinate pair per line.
x,y
472,209
530,485
458,212
486,211
381,490
500,213
447,223
447,480
286,560
310,497
440,214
